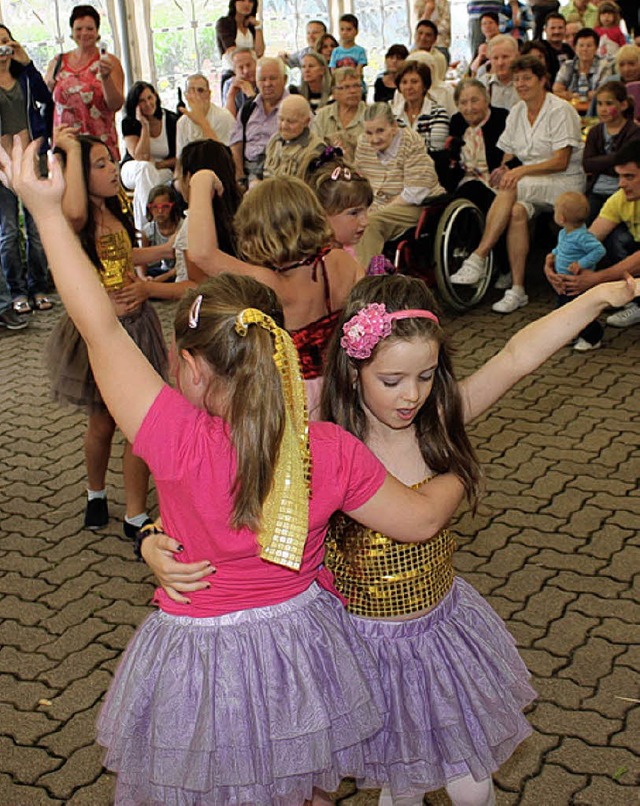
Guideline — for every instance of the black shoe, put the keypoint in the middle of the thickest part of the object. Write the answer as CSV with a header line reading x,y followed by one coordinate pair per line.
x,y
131,530
12,321
96,515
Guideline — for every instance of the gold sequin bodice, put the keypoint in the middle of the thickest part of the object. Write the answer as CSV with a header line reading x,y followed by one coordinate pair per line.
x,y
382,578
115,253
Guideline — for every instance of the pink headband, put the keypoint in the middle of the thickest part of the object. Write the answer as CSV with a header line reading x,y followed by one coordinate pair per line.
x,y
371,324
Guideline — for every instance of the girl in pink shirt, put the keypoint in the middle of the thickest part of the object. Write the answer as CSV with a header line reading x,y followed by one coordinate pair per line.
x,y
258,690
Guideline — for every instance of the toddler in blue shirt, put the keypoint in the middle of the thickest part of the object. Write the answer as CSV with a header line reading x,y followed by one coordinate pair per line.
x,y
577,249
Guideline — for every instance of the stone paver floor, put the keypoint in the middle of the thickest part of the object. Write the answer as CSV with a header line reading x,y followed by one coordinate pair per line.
x,y
554,547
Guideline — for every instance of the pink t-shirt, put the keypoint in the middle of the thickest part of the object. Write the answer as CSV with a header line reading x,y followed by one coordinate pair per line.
x,y
193,464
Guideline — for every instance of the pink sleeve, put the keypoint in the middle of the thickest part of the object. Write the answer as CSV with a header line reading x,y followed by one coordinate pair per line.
x,y
360,474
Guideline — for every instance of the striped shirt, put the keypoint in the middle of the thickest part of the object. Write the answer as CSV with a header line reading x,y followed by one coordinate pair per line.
x,y
432,124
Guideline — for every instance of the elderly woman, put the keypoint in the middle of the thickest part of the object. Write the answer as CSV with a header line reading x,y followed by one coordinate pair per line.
x,y
341,123
416,109
315,85
542,148
402,176
149,133
578,78
87,85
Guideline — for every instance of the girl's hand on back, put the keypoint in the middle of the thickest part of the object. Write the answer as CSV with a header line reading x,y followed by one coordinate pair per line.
x,y
19,172
158,552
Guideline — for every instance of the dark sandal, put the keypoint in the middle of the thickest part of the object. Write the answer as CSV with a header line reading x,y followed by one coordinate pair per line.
x,y
42,303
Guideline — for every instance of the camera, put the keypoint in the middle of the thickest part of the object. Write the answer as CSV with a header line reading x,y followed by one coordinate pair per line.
x,y
6,50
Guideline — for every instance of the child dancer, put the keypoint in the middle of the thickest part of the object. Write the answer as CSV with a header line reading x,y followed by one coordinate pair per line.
x,y
283,235
258,692
577,249
107,235
454,683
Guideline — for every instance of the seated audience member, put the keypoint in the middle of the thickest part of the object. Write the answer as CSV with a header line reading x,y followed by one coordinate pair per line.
x,y
577,250
628,67
202,119
542,147
558,51
540,10
149,133
490,27
608,29
340,124
293,147
604,140
438,11
163,222
257,121
241,86
571,29
402,176
384,88
315,29
415,108
348,54
535,47
439,91
325,45
503,51
578,78
618,227
426,37
584,10
315,85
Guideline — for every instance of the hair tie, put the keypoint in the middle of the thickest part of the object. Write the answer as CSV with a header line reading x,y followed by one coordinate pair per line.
x,y
285,513
330,154
194,312
372,324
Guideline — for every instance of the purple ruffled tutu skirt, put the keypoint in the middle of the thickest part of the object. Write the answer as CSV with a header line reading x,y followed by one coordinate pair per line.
x,y
455,687
253,708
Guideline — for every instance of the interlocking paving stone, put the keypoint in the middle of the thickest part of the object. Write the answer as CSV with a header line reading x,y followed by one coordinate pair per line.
x,y
554,546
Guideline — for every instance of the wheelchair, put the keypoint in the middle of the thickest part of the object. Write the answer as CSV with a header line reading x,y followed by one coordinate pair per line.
x,y
447,233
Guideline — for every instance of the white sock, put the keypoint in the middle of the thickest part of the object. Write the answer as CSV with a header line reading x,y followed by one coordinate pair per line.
x,y
519,289
469,792
386,799
91,494
137,520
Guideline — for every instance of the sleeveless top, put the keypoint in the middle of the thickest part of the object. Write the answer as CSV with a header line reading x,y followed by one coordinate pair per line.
x,y
80,103
311,340
382,578
116,255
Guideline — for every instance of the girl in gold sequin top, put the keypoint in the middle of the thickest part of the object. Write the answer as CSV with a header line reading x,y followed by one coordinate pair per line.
x,y
454,682
93,206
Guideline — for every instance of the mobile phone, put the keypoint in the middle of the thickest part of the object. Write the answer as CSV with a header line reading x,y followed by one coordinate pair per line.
x,y
6,50
103,49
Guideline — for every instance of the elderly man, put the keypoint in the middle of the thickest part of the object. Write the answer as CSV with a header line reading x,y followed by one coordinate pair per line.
x,y
257,121
241,86
503,51
291,150
618,223
341,123
202,119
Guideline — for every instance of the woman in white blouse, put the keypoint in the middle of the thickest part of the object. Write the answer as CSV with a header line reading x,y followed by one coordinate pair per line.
x,y
542,148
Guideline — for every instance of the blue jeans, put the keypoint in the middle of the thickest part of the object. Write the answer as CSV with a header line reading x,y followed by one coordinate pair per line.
x,y
22,280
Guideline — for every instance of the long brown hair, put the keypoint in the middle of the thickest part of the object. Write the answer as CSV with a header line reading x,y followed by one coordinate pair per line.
x,y
245,377
439,424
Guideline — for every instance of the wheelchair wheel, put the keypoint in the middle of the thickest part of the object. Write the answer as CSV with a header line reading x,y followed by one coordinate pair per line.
x,y
459,232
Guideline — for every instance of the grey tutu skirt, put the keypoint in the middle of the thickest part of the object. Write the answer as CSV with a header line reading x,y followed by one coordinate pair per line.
x,y
253,708
68,365
455,687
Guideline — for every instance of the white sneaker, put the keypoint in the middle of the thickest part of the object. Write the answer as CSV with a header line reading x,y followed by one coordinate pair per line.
x,y
511,301
583,346
629,315
471,271
503,282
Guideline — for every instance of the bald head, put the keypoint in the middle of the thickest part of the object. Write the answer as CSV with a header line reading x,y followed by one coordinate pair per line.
x,y
294,116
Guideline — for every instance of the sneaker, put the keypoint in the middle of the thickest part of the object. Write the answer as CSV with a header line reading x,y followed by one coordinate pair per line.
x,y
12,321
471,271
629,315
511,301
96,515
503,282
583,346
131,530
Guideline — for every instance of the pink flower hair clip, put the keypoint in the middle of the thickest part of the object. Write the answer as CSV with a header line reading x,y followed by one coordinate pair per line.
x,y
372,324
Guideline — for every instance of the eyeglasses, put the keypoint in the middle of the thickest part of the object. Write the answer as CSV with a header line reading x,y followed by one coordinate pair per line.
x,y
161,206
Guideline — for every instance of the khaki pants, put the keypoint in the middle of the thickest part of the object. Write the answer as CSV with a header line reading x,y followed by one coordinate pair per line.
x,y
385,224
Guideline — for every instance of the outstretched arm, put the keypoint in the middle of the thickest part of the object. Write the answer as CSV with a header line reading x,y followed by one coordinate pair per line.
x,y
128,383
531,346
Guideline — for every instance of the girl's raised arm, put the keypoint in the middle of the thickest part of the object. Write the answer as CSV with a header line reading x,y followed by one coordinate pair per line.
x,y
128,383
75,201
539,340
